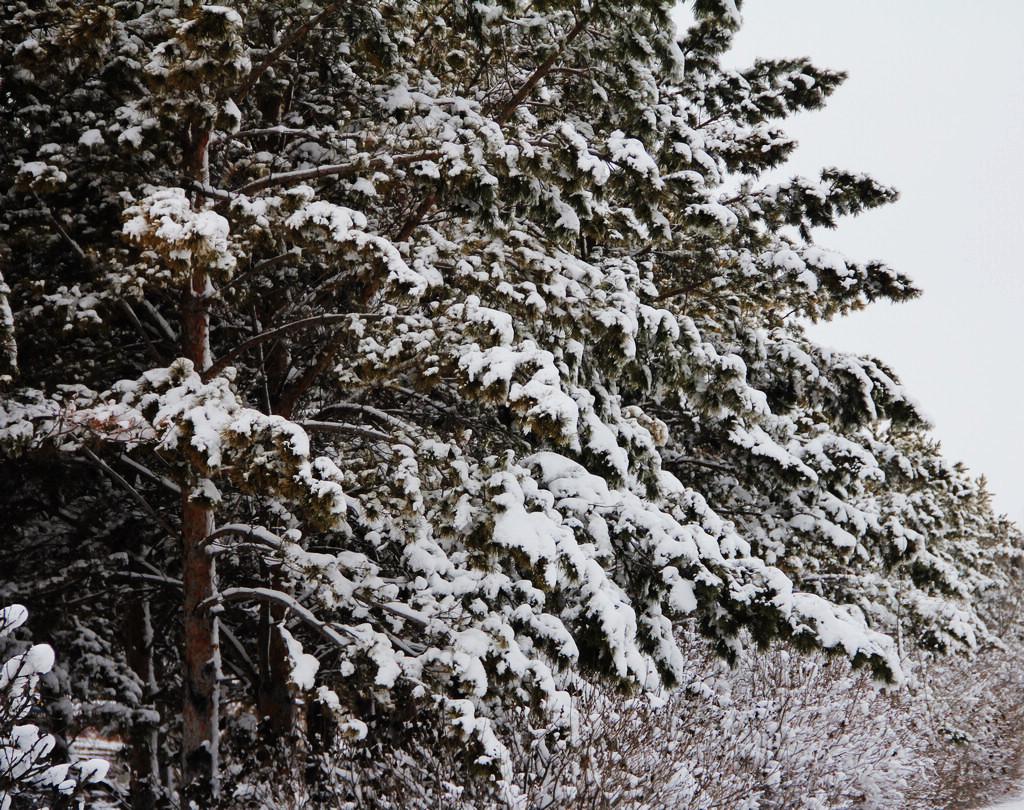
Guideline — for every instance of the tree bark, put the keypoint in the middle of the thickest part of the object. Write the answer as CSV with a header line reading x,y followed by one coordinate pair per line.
x,y
144,788
201,655
276,704
200,714
321,727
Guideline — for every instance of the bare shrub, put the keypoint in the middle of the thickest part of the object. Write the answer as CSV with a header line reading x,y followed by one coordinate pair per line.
x,y
780,730
969,713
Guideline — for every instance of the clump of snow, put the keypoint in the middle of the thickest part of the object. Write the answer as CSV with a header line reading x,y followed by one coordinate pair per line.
x,y
24,747
303,665
91,138
165,221
344,226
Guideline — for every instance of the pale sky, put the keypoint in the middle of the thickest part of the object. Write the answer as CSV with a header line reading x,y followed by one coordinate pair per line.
x,y
934,105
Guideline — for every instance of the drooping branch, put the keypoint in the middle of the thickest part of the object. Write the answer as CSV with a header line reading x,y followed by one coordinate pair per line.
x,y
265,537
246,531
218,549
401,611
207,190
288,601
370,411
325,629
316,426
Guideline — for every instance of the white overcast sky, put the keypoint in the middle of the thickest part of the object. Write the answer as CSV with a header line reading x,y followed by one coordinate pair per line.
x,y
934,105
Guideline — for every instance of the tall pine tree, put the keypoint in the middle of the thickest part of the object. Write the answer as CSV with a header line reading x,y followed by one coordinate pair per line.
x,y
391,358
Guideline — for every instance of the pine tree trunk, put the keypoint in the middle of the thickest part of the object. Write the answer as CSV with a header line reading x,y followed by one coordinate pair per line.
x,y
200,714
145,766
200,731
321,726
275,702
282,718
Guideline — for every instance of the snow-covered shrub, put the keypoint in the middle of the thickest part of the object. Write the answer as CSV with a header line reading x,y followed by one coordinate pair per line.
x,y
779,731
967,713
27,775
776,731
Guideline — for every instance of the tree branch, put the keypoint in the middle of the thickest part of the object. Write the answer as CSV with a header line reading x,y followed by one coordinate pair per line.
x,y
291,603
77,248
332,170
278,129
153,579
289,40
315,426
170,582
304,323
289,398
134,318
160,320
542,70
413,222
120,479
160,479
373,413
207,190
246,531
699,462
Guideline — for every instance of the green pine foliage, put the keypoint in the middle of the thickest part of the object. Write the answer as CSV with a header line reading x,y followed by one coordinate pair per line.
x,y
508,372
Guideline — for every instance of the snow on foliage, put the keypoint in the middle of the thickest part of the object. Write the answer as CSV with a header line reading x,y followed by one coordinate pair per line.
x,y
463,345
24,748
165,222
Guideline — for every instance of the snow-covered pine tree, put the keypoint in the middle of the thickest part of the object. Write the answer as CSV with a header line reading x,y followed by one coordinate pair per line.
x,y
465,339
27,775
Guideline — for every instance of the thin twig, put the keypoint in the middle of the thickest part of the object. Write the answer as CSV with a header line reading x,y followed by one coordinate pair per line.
x,y
289,40
290,397
134,318
304,323
120,479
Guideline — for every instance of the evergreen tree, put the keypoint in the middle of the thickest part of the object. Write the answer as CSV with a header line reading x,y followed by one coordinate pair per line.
x,y
393,358
26,775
